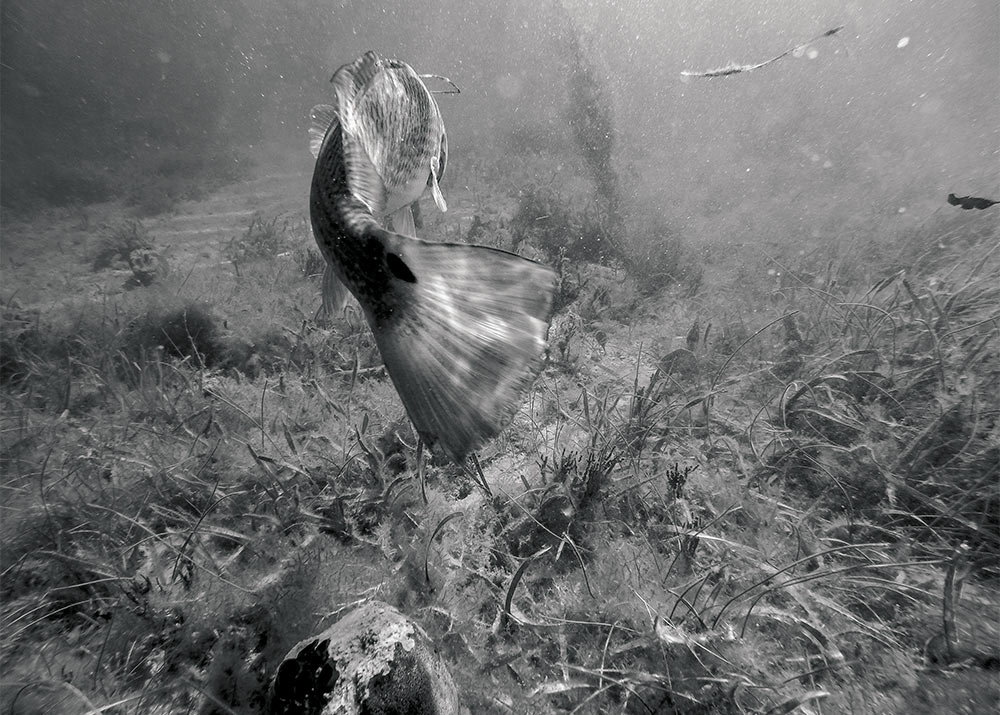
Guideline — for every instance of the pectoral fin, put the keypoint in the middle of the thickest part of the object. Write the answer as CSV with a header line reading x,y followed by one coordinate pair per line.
x,y
320,118
335,293
402,221
435,188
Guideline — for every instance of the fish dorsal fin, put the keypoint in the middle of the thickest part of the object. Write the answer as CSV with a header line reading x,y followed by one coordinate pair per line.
x,y
363,178
365,69
320,118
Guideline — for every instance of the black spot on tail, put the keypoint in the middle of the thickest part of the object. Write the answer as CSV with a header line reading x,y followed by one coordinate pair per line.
x,y
399,269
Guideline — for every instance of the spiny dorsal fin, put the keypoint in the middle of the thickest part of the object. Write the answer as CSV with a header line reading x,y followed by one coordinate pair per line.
x,y
365,69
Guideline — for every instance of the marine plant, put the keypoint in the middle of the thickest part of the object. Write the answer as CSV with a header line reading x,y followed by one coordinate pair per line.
x,y
263,238
593,129
119,241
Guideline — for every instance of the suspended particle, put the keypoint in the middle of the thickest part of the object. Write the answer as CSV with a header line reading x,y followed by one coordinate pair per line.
x,y
903,42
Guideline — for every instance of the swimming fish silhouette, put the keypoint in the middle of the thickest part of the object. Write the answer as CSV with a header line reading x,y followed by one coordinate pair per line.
x,y
462,329
970,202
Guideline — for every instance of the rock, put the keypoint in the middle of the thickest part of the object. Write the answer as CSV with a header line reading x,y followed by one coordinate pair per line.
x,y
373,661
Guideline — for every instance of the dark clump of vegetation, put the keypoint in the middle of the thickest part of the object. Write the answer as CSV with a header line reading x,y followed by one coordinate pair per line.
x,y
119,241
659,259
185,332
593,128
264,238
600,231
545,220
128,245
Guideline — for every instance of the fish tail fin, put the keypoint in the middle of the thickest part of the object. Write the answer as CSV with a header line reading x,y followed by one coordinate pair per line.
x,y
465,338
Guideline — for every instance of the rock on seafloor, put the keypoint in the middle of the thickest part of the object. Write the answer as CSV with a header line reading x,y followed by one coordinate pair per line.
x,y
373,661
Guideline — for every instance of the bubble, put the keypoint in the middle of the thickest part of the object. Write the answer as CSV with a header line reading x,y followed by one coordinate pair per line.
x,y
903,42
813,53
163,57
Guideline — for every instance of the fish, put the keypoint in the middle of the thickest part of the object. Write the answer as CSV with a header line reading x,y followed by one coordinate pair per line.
x,y
970,202
408,147
462,329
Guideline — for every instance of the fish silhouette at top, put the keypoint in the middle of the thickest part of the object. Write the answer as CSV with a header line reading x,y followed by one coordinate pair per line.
x,y
462,329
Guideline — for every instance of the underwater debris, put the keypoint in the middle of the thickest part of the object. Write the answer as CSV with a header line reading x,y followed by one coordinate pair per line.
x,y
970,202
733,68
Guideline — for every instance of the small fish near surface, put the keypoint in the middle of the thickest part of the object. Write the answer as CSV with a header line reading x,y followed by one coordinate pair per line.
x,y
462,329
970,202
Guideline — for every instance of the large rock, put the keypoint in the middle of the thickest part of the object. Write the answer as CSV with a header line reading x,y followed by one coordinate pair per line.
x,y
373,661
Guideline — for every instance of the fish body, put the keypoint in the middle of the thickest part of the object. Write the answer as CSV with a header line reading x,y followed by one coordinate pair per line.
x,y
971,202
462,329
388,111
385,106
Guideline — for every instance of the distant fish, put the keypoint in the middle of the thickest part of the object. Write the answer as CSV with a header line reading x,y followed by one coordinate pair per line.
x,y
970,202
462,329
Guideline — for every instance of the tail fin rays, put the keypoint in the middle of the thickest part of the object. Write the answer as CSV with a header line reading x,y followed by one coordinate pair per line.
x,y
467,338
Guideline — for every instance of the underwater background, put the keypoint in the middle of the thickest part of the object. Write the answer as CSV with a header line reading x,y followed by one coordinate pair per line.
x,y
757,474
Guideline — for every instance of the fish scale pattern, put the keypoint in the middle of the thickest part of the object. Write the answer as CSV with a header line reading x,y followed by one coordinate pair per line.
x,y
407,126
